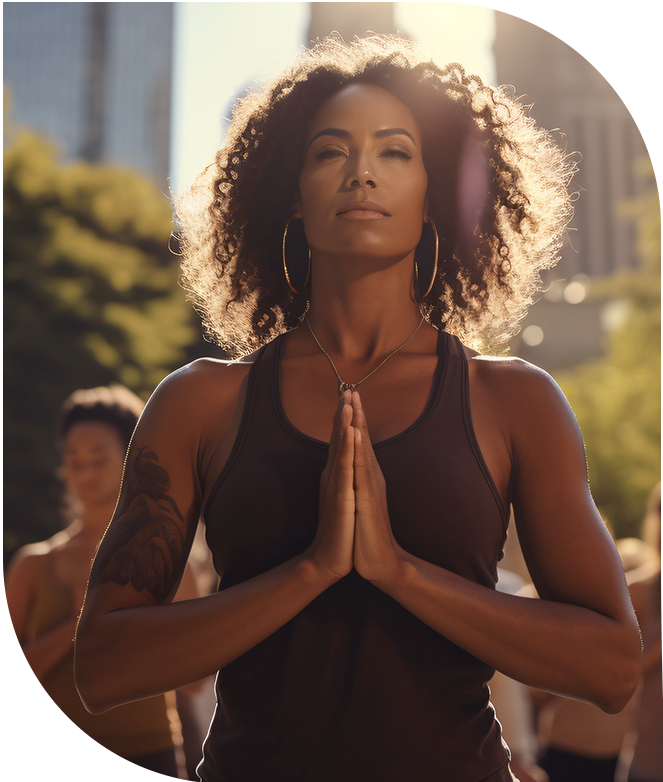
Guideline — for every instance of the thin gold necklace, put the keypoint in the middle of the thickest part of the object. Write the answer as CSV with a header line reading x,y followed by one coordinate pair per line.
x,y
342,385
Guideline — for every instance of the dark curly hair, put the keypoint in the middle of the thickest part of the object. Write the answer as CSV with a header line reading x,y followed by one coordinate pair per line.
x,y
492,248
114,405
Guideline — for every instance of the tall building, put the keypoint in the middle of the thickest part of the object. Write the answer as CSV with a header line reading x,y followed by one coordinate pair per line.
x,y
95,78
350,20
567,93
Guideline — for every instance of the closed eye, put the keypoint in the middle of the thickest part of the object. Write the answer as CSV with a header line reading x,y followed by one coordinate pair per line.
x,y
328,154
396,153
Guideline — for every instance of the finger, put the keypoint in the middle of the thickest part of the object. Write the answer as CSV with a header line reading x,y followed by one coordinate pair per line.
x,y
365,459
369,492
342,419
346,456
359,419
341,468
339,494
362,478
360,462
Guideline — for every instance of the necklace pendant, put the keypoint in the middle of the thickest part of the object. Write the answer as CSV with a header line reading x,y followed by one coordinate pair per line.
x,y
342,387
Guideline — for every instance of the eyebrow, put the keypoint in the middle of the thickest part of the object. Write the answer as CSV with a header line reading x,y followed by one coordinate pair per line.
x,y
338,132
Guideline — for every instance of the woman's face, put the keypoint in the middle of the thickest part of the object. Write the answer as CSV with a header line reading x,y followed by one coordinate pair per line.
x,y
362,189
93,457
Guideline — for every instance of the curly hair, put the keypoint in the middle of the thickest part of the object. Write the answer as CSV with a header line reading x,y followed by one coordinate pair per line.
x,y
114,405
493,245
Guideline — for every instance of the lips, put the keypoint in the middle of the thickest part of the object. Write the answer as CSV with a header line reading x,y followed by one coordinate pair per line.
x,y
363,210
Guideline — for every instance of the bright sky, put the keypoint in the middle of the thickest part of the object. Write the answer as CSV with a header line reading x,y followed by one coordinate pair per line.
x,y
221,48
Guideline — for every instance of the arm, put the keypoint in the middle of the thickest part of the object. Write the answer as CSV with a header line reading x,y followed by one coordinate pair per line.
x,y
44,652
132,641
581,639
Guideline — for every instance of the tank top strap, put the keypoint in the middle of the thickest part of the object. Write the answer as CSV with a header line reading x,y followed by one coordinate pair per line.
x,y
253,397
462,368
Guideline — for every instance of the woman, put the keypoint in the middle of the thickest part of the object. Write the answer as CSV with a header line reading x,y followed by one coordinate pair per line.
x,y
355,476
580,743
644,758
46,581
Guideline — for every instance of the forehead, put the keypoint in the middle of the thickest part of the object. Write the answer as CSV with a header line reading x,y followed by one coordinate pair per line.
x,y
93,435
364,107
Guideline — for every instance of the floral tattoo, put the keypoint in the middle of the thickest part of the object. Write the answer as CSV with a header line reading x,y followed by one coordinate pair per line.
x,y
146,543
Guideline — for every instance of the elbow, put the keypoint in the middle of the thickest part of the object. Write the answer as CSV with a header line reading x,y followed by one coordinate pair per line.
x,y
94,707
621,692
94,688
614,702
619,688
90,688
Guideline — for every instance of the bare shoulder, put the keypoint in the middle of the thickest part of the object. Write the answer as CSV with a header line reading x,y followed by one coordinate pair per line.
x,y
513,381
43,547
524,403
504,369
29,560
198,396
203,377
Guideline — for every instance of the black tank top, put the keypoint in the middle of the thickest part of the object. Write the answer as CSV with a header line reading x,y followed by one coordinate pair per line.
x,y
355,688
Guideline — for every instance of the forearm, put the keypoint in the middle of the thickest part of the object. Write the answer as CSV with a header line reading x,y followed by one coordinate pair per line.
x,y
46,651
559,647
133,653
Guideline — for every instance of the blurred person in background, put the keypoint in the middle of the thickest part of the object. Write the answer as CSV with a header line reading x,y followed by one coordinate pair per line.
x,y
580,742
369,212
195,704
511,699
46,581
644,756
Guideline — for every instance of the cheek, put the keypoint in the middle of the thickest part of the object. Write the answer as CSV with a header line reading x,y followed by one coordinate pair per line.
x,y
420,186
312,195
416,199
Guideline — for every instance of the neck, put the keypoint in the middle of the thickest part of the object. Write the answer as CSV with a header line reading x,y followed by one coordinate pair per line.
x,y
361,315
95,519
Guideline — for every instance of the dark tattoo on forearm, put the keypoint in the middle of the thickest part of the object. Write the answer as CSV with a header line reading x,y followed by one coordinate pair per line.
x,y
146,543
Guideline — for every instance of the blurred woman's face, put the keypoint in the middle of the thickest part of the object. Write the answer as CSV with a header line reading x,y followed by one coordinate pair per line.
x,y
93,456
362,189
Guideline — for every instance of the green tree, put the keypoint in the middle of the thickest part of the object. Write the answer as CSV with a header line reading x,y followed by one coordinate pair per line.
x,y
617,398
91,297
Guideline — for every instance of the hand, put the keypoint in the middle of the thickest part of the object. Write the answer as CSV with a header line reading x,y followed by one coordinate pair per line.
x,y
377,555
331,550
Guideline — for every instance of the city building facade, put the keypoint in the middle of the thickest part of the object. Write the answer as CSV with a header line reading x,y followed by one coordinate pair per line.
x,y
95,78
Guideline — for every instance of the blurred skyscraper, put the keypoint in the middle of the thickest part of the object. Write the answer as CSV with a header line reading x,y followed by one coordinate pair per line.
x,y
350,19
95,78
570,94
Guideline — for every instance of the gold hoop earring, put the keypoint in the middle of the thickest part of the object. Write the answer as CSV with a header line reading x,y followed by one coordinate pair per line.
x,y
416,266
298,240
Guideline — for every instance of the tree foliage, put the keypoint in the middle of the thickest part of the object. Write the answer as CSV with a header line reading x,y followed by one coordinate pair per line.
x,y
617,398
91,297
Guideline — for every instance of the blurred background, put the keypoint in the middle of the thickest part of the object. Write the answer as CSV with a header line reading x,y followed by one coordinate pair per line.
x,y
109,107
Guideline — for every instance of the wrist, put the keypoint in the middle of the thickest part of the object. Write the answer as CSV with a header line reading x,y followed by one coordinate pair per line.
x,y
394,577
315,574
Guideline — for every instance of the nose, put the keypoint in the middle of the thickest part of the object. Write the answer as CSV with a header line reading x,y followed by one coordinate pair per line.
x,y
366,182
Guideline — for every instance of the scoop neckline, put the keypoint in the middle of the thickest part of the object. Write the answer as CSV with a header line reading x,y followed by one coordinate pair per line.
x,y
440,369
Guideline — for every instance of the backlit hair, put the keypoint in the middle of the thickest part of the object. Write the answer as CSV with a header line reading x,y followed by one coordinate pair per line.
x,y
497,190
